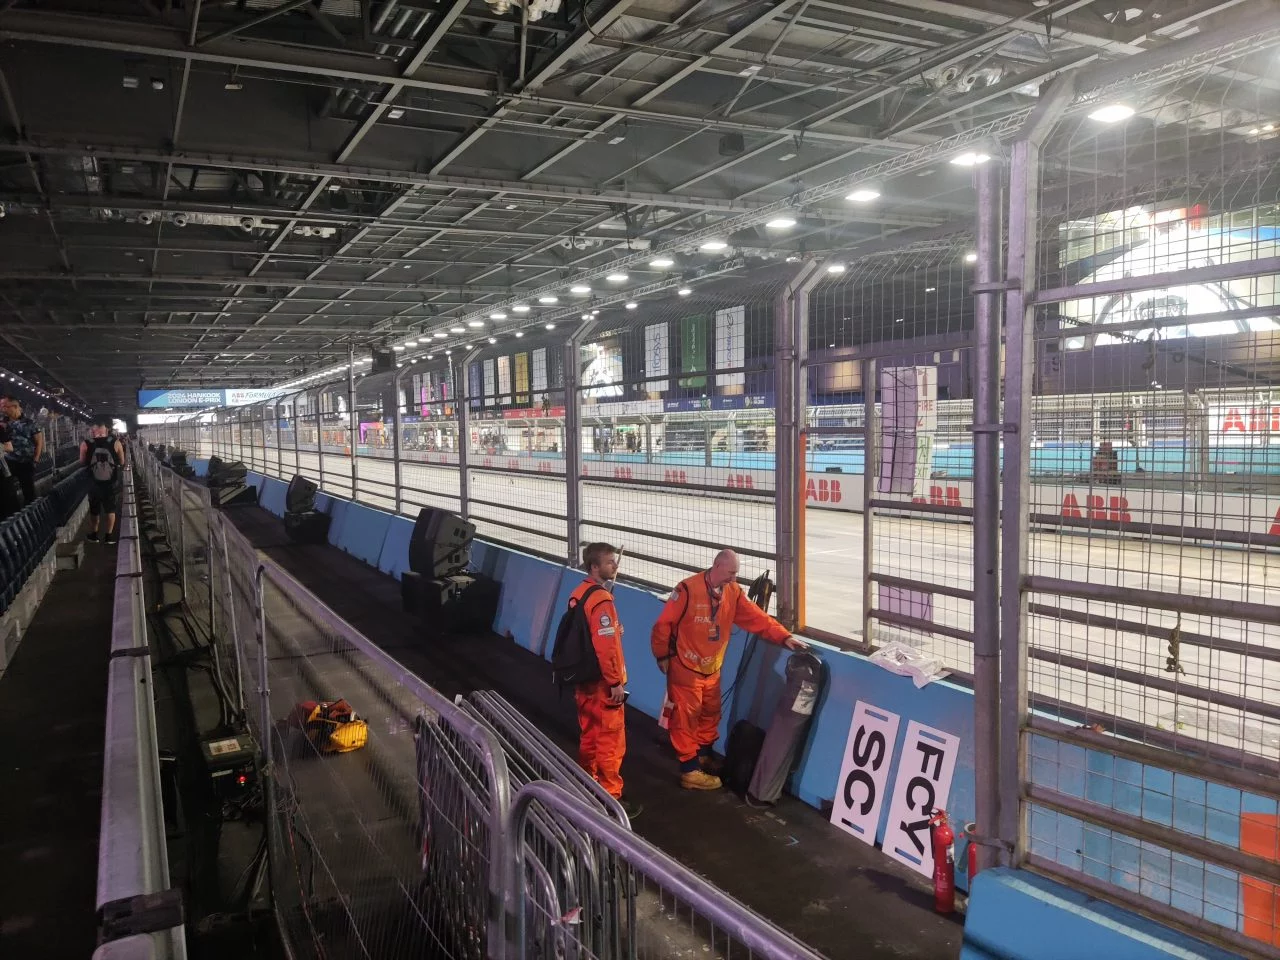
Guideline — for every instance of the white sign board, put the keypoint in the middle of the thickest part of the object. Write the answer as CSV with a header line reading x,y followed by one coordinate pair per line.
x,y
908,425
730,345
925,768
864,772
657,362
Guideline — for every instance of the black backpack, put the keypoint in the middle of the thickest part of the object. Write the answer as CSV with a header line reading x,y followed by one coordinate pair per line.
x,y
573,658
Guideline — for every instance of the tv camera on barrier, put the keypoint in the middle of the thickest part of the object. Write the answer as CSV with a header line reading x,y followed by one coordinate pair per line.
x,y
228,484
439,585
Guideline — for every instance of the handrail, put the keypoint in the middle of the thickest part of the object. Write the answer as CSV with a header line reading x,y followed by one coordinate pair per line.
x,y
743,925
132,857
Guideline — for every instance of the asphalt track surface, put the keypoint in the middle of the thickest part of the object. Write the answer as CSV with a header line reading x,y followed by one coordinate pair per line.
x,y
1114,666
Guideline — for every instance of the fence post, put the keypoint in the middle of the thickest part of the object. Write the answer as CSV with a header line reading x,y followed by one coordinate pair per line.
x,y
353,420
870,454
464,435
791,335
1019,320
397,448
319,439
986,504
573,444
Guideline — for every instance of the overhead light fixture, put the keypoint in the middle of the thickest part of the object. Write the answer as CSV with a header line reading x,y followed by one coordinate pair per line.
x,y
493,339
442,336
519,333
684,291
448,353
899,320
970,158
835,268
129,82
970,258
580,289
1112,113
617,277
550,326
411,343
614,141
586,316
457,329
930,289
548,300
1268,127
595,313
661,263
713,246
1254,132
510,206
431,356
863,195
475,324
520,308
781,223
786,156
497,315
631,305
395,113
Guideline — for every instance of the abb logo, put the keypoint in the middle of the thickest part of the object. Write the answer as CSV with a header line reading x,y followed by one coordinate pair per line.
x,y
1097,508
487,462
950,497
1259,420
1275,524
513,464
545,467
740,481
823,491
674,476
623,473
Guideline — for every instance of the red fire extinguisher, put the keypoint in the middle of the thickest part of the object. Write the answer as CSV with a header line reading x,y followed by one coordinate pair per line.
x,y
944,863
971,835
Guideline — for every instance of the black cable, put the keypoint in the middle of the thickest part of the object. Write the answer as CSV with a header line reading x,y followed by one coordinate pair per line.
x,y
761,594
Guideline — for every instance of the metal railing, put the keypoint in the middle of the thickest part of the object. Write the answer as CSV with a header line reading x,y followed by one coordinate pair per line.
x,y
404,846
132,856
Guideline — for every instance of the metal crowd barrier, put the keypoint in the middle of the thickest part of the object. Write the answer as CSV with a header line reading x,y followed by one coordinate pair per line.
x,y
141,917
404,846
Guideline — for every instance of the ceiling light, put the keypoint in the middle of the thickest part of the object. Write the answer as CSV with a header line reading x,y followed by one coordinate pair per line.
x,y
395,113
781,223
431,356
970,159
836,268
614,141
397,348
497,315
631,305
457,329
493,339
661,263
1268,127
550,326
1112,113
586,316
930,289
712,246
548,299
970,258
900,320
520,308
511,206
580,289
448,353
595,313
685,291
786,156
411,343
617,278
519,333
863,195
475,324
1254,132
442,336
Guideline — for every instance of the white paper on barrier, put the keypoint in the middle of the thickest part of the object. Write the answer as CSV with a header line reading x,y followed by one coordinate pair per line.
x,y
923,785
864,772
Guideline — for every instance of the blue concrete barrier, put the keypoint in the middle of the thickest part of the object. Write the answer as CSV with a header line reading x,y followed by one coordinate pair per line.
x,y
1016,915
271,496
393,560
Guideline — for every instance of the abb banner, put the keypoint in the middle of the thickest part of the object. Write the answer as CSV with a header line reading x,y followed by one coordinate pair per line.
x,y
1243,425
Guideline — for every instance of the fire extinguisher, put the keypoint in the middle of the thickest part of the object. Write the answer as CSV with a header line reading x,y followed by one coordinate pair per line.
x,y
971,835
944,863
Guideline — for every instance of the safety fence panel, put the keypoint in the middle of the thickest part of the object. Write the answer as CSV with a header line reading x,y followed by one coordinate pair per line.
x,y
889,427
376,440
669,911
1150,594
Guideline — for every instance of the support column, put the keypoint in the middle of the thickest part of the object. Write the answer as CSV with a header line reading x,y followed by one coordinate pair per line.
x,y
353,418
870,466
573,444
1019,316
986,503
791,335
397,445
464,436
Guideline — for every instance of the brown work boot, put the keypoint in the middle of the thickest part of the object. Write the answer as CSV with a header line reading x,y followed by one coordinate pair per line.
x,y
697,780
710,763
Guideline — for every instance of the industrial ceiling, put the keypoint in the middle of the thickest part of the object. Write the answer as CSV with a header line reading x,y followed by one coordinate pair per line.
x,y
235,193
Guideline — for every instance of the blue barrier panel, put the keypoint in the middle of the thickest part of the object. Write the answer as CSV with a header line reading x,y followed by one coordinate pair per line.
x,y
1014,914
362,533
394,559
527,604
271,496
337,509
255,480
200,465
